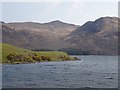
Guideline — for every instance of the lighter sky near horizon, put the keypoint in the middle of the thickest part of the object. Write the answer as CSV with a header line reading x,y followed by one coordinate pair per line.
x,y
70,12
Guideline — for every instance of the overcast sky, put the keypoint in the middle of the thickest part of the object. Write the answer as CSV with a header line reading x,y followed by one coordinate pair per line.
x,y
70,12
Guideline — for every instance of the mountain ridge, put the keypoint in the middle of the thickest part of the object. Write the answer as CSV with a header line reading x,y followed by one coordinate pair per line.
x,y
59,35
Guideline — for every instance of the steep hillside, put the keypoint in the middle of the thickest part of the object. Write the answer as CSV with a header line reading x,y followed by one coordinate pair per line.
x,y
97,37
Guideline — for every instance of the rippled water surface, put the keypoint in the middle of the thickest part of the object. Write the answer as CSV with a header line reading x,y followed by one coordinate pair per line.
x,y
91,71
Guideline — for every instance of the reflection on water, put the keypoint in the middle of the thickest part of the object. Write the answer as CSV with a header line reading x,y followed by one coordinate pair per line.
x,y
91,71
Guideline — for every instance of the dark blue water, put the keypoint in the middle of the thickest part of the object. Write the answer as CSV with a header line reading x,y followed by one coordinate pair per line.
x,y
91,71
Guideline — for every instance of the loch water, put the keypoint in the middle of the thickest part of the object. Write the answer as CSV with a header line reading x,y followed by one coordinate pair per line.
x,y
91,71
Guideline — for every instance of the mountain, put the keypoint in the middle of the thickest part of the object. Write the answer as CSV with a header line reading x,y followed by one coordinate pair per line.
x,y
32,35
57,27
94,37
97,37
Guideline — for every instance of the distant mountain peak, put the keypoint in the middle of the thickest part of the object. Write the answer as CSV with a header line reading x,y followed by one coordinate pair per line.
x,y
102,24
107,19
55,21
59,22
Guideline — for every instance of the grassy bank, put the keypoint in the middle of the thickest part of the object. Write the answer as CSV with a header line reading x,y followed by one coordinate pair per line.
x,y
15,55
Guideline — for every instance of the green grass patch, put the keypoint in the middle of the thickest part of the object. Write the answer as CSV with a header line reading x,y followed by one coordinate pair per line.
x,y
12,54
